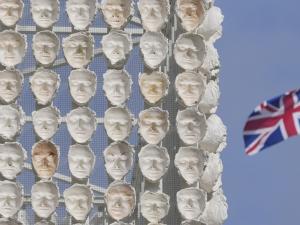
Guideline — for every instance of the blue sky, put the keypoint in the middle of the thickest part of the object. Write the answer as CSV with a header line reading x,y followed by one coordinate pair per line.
x,y
260,58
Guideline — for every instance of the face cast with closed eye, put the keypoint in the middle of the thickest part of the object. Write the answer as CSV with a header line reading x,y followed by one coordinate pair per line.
x,y
11,82
45,158
189,51
118,158
81,123
12,48
116,12
45,45
154,86
10,12
12,157
83,84
117,123
154,162
81,160
190,163
154,48
116,47
45,122
191,203
11,199
45,12
11,121
44,198
78,49
190,87
153,124
78,200
81,13
120,200
44,84
117,86
154,14
191,126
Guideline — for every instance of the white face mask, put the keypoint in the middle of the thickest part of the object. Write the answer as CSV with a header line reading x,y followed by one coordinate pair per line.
x,y
154,206
45,12
191,203
82,85
11,82
44,198
154,48
11,12
210,100
118,159
78,200
81,161
12,48
154,162
11,199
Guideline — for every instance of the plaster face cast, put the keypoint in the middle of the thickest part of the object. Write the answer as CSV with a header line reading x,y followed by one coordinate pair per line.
x,y
116,12
78,49
81,13
45,158
44,222
120,200
79,201
45,12
81,161
191,13
117,86
83,84
12,48
12,157
191,126
210,100
154,14
45,122
189,51
8,221
11,82
81,123
11,121
154,86
116,47
154,48
44,198
216,135
153,124
11,199
191,203
45,45
11,12
118,158
190,163
154,206
44,84
154,162
117,123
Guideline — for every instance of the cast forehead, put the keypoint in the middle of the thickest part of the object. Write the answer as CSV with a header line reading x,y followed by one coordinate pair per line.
x,y
7,73
120,187
153,37
157,195
188,191
13,35
115,74
190,75
196,39
45,34
12,1
155,75
196,2
82,74
44,146
82,110
122,146
103,2
16,186
190,112
164,3
82,36
78,187
155,111
46,185
45,73
41,2
14,145
110,111
48,109
88,2
15,108
150,149
80,147
117,34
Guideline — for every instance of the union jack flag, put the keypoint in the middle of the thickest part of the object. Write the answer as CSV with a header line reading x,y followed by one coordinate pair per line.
x,y
273,121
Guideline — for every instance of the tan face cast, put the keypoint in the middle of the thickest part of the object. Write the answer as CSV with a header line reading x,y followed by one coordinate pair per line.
x,y
154,162
44,84
154,86
11,82
45,12
118,158
11,198
45,158
12,48
12,157
120,200
153,124
10,12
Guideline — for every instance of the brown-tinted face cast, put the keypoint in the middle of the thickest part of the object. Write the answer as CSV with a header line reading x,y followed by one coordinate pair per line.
x,y
45,159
